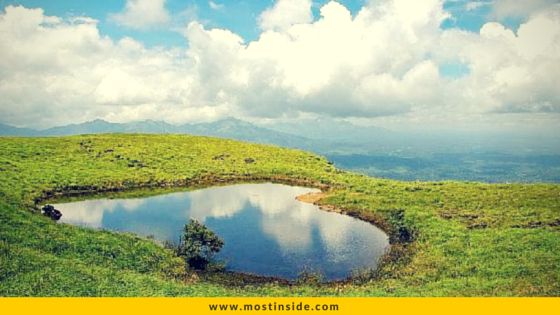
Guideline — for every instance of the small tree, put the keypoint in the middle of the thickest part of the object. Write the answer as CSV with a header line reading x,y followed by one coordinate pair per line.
x,y
198,244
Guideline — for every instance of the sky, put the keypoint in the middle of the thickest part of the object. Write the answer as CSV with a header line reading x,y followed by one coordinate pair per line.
x,y
394,63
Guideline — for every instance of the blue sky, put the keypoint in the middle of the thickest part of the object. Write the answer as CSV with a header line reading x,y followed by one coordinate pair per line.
x,y
237,16
397,63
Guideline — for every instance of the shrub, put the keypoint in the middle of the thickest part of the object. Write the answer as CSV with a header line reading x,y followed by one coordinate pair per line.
x,y
198,244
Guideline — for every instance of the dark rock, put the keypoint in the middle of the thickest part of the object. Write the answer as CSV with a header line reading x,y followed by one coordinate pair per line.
x,y
469,216
537,224
51,212
404,235
447,215
136,163
413,189
220,157
478,225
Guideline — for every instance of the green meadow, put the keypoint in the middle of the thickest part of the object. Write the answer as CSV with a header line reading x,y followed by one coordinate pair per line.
x,y
448,238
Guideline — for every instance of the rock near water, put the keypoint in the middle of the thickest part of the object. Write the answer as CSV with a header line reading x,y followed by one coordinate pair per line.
x,y
51,212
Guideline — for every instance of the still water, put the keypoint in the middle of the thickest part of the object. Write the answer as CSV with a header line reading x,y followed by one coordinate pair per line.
x,y
265,229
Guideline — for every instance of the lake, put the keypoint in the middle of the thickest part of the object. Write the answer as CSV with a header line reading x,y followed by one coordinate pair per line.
x,y
265,229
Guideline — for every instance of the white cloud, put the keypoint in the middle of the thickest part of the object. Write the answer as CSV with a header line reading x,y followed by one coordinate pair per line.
x,y
510,72
55,71
337,65
215,6
383,61
90,212
286,13
143,14
475,5
520,8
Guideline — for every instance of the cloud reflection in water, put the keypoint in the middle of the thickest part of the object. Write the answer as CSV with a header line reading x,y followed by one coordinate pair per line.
x,y
266,230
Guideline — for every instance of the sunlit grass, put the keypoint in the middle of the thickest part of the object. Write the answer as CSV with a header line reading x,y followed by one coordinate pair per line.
x,y
469,238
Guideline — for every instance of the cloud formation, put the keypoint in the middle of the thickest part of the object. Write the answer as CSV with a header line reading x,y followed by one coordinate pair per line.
x,y
142,14
520,8
215,6
385,60
286,13
475,5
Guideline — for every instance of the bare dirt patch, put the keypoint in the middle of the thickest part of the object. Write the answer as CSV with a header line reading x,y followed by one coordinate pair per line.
x,y
312,197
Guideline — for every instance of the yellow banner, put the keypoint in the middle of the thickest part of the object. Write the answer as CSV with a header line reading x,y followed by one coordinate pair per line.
x,y
386,306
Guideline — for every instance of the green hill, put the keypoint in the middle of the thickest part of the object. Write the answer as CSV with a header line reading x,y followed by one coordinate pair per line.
x,y
467,238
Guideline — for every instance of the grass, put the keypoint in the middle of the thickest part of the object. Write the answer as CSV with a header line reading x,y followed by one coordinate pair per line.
x,y
470,239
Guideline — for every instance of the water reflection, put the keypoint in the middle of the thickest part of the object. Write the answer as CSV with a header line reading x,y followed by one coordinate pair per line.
x,y
266,230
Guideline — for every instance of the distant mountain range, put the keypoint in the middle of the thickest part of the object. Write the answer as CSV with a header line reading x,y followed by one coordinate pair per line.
x,y
227,128
368,149
322,135
7,130
336,130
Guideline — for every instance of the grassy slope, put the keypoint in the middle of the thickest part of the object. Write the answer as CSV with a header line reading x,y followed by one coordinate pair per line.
x,y
471,238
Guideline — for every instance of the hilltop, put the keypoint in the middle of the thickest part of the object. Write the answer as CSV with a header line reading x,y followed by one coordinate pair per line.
x,y
374,151
463,239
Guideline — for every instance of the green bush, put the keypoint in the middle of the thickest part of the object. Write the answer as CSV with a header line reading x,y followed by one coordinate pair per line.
x,y
198,245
